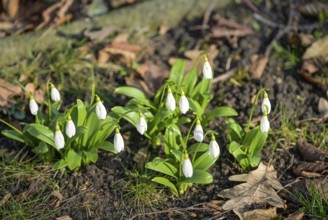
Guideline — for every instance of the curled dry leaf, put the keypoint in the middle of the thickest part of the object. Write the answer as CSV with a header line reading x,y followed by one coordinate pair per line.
x,y
258,65
260,214
295,216
309,152
318,49
310,169
7,91
259,188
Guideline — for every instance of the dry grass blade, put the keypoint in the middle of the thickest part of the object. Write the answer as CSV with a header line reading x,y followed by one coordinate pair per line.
x,y
259,188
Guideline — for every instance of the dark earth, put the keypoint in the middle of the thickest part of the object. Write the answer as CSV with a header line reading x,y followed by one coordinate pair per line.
x,y
100,190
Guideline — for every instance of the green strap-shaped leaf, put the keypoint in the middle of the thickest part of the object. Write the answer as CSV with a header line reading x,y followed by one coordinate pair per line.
x,y
202,147
190,81
135,93
73,159
13,135
199,177
42,133
59,164
92,155
196,107
108,146
204,161
41,148
235,131
79,113
223,111
163,166
166,182
176,73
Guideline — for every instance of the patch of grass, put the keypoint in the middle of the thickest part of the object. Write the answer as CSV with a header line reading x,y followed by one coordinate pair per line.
x,y
291,56
25,190
315,204
140,192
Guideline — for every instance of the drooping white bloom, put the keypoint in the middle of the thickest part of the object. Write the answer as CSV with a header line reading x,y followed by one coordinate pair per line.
x,y
141,124
187,169
266,105
100,109
214,148
59,138
198,132
207,69
70,127
118,141
264,124
170,101
183,104
33,106
54,93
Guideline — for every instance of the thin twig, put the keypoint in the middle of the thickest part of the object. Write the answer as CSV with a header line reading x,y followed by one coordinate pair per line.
x,y
225,75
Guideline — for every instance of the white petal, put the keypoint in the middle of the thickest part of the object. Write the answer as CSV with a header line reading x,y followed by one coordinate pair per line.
x,y
142,125
199,133
101,111
187,168
183,104
214,149
118,142
55,96
170,102
33,107
264,124
59,140
207,71
266,104
70,129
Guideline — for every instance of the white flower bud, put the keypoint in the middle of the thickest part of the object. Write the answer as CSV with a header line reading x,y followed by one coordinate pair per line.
x,y
118,141
207,69
141,124
187,169
264,124
214,148
266,105
59,138
70,127
183,104
54,94
170,101
100,109
33,106
198,132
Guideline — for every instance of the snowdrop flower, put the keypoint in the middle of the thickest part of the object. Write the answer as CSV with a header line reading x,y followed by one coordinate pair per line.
x,y
187,169
70,127
54,94
183,103
33,106
198,132
264,124
170,101
141,124
59,138
118,141
207,69
214,148
100,109
266,105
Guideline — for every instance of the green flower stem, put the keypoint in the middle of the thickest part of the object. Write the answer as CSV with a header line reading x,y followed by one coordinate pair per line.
x,y
194,156
11,126
191,127
253,107
197,59
93,93
49,102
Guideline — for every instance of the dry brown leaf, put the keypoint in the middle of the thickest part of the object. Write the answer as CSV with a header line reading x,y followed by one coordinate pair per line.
x,y
323,106
258,65
7,91
309,152
260,214
11,7
121,38
99,35
318,49
309,169
259,188
6,25
65,217
38,94
295,216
